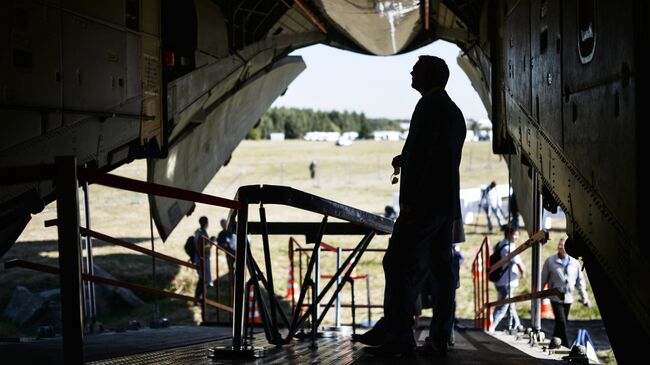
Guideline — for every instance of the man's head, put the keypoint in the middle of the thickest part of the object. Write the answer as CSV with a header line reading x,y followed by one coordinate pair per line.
x,y
223,223
429,73
560,248
203,222
511,232
493,184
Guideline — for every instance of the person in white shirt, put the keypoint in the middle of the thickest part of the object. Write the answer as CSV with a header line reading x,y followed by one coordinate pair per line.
x,y
490,203
509,279
562,272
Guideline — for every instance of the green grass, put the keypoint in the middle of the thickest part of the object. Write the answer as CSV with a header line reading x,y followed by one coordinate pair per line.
x,y
358,175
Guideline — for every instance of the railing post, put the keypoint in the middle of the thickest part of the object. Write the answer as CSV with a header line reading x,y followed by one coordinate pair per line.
x,y
354,307
90,267
488,314
536,271
203,283
369,304
268,264
475,296
218,281
484,287
337,308
240,272
315,304
67,210
292,274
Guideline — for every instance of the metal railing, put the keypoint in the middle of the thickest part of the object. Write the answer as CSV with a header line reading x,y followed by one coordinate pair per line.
x,y
357,223
481,269
294,247
67,177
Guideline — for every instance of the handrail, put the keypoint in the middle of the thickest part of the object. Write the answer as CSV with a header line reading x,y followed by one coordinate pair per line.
x,y
100,280
480,267
282,195
554,292
539,237
125,183
131,246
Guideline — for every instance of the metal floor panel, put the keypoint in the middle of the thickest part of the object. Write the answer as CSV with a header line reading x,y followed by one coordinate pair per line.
x,y
473,347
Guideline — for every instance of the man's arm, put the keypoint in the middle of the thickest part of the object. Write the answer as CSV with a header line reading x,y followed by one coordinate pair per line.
x,y
520,266
580,285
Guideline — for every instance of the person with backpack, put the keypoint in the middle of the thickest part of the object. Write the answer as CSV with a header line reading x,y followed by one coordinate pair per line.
x,y
201,238
507,278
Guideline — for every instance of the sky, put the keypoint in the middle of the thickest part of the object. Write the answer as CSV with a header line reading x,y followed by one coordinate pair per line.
x,y
380,87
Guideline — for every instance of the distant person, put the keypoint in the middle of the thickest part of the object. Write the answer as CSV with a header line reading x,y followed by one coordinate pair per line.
x,y
389,212
429,199
509,279
490,203
513,210
562,272
226,240
202,242
312,169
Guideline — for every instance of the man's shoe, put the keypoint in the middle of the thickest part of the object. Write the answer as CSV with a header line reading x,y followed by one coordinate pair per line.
x,y
374,337
368,338
436,348
391,349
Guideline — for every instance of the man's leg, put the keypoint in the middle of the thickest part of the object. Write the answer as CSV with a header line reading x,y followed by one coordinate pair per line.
x,y
567,308
489,220
513,314
498,215
198,292
445,273
208,272
500,311
399,295
407,263
560,322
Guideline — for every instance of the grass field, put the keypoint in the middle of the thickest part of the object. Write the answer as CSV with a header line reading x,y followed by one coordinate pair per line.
x,y
358,175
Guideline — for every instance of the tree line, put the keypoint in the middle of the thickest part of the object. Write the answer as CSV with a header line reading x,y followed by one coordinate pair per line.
x,y
295,122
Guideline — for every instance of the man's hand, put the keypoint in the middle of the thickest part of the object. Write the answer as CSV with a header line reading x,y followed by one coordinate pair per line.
x,y
397,162
586,302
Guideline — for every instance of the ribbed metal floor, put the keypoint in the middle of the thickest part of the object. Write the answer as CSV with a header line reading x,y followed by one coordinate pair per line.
x,y
472,347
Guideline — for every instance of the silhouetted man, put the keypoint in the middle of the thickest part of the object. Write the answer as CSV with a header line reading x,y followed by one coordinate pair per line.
x,y
429,204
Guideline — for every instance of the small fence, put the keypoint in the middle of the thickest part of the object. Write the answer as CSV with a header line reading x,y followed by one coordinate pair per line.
x,y
67,177
295,247
481,269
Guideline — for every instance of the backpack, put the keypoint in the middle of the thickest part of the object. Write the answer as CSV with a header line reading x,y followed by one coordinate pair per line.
x,y
190,248
494,258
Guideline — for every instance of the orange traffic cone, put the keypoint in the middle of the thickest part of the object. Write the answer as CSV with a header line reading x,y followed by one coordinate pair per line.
x,y
254,313
291,286
547,310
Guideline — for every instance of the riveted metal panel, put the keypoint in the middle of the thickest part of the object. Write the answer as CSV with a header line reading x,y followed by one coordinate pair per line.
x,y
546,51
31,53
94,57
517,50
